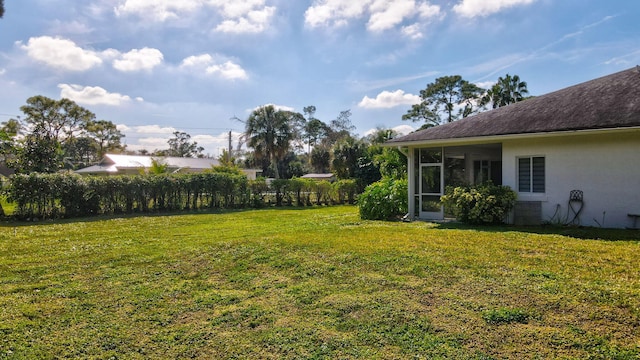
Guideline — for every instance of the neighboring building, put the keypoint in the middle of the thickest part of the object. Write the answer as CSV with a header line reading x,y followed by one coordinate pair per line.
x,y
585,137
113,164
320,177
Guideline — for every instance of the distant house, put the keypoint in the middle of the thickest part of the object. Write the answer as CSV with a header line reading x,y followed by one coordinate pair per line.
x,y
115,164
585,137
320,177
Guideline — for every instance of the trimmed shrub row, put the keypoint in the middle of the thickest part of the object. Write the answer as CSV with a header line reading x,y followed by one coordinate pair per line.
x,y
63,195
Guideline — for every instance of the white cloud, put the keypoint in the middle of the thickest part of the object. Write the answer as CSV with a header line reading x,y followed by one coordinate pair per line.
x,y
403,129
382,14
387,14
428,11
197,61
240,16
485,84
91,95
136,60
333,13
154,129
413,31
400,130
158,10
208,64
228,70
255,21
387,99
473,8
61,53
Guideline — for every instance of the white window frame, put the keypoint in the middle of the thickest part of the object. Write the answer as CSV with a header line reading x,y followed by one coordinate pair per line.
x,y
531,175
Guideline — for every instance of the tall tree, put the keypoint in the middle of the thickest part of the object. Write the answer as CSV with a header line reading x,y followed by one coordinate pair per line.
x,y
345,157
508,90
180,145
339,128
106,135
8,132
269,132
1,8
80,152
314,129
56,119
447,99
49,125
320,159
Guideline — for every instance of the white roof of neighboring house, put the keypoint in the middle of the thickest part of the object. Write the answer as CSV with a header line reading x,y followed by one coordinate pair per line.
x,y
318,176
113,163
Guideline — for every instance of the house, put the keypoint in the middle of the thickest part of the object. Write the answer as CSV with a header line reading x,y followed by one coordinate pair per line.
x,y
320,177
116,164
572,156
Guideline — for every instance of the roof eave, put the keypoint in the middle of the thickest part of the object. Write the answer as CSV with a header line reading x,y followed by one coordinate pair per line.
x,y
497,138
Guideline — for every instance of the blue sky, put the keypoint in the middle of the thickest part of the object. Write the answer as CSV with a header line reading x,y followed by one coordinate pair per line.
x,y
158,66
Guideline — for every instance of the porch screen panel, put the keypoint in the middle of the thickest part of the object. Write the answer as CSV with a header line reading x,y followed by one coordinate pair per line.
x,y
431,203
431,156
524,174
431,183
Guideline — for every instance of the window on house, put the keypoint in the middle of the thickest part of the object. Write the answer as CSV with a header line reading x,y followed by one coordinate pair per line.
x,y
531,176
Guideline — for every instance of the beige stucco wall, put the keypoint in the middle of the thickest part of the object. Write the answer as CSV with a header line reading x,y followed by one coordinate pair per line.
x,y
605,166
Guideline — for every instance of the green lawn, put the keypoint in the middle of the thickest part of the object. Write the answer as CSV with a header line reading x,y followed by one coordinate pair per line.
x,y
314,283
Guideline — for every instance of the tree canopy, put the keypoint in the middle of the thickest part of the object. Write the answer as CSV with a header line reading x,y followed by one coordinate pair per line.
x,y
508,90
447,99
57,134
180,145
270,132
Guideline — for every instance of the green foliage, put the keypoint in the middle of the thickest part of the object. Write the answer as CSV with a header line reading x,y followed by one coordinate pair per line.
x,y
57,134
506,316
441,98
384,200
508,90
227,169
269,132
345,190
50,196
392,163
180,145
482,204
47,196
346,154
158,167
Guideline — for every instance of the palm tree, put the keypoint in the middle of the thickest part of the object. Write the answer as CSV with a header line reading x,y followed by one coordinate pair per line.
x,y
270,132
508,90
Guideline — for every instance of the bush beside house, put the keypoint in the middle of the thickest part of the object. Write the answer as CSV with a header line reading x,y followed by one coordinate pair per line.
x,y
481,204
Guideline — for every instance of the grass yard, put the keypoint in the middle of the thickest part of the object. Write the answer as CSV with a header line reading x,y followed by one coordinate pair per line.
x,y
317,284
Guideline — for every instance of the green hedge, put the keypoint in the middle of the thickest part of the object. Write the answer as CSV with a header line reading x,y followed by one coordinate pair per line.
x,y
67,195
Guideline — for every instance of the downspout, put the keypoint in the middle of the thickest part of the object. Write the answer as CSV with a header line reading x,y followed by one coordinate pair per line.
x,y
404,151
410,193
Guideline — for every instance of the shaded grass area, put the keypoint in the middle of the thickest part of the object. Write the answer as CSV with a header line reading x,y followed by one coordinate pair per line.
x,y
317,284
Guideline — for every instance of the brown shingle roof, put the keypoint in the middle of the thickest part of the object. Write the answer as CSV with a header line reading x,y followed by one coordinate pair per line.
x,y
611,101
